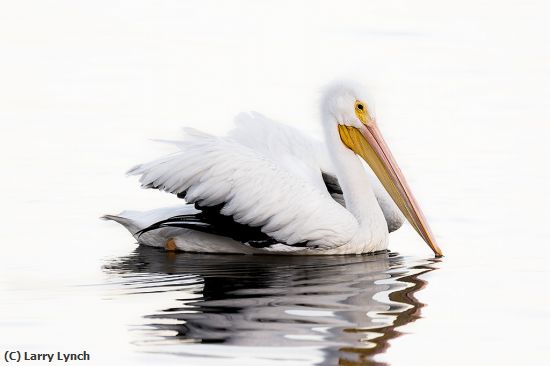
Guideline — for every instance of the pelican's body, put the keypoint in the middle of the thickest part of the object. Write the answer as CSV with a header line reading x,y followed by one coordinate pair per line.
x,y
268,188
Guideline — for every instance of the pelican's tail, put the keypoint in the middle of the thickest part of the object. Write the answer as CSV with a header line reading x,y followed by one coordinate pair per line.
x,y
128,223
191,230
136,221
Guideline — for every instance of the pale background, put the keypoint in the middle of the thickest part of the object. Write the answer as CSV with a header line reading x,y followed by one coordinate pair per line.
x,y
461,92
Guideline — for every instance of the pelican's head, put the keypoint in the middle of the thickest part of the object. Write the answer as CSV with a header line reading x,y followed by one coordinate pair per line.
x,y
358,131
347,106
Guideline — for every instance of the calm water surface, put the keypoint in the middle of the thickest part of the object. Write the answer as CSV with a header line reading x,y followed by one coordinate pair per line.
x,y
339,310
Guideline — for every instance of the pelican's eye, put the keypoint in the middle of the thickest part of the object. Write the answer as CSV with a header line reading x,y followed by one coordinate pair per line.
x,y
360,107
362,113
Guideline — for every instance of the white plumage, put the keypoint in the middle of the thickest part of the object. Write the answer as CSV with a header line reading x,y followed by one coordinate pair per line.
x,y
214,170
268,177
301,154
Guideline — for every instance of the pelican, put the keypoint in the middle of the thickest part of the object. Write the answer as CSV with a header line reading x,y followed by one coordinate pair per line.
x,y
267,188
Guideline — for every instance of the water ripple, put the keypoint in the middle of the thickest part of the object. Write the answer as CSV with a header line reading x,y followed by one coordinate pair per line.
x,y
348,307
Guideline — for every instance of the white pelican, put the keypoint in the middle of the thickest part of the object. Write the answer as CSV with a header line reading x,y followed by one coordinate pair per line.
x,y
268,188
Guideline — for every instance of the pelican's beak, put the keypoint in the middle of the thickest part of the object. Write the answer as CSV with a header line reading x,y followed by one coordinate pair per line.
x,y
368,143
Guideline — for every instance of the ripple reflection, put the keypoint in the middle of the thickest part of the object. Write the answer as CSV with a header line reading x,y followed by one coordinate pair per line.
x,y
347,306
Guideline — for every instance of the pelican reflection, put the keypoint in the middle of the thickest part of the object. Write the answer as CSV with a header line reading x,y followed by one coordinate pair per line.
x,y
347,306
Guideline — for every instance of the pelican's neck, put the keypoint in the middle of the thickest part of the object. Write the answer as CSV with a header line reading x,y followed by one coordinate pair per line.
x,y
356,187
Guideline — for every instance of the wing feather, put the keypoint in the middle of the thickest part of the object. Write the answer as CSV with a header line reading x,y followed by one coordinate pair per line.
x,y
289,147
254,189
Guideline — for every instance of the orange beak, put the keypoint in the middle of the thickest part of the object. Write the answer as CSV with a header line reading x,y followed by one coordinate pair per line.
x,y
368,143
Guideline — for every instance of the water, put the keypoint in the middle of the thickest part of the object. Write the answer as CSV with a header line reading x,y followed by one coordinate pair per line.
x,y
460,94
335,309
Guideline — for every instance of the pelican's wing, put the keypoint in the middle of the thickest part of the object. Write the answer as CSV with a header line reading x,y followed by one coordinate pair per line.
x,y
252,189
278,140
288,147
